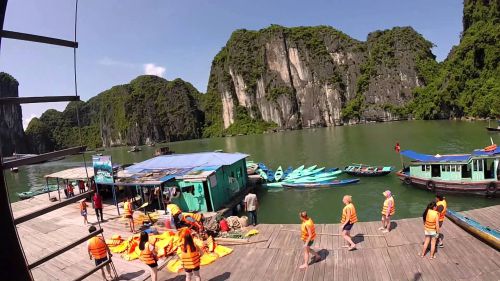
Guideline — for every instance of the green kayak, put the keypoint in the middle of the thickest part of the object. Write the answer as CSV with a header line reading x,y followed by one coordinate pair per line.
x,y
279,174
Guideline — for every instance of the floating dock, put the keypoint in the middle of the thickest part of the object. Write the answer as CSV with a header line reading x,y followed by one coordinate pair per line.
x,y
392,256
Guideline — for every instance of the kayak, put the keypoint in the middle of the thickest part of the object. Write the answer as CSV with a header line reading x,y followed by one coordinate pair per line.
x,y
274,184
279,174
270,175
287,172
297,171
488,235
367,171
305,173
310,180
30,194
320,184
262,174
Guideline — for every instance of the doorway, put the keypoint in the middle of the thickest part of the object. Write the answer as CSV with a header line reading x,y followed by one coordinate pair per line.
x,y
210,208
436,171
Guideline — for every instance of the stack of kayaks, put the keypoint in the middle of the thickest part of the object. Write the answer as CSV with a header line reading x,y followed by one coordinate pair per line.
x,y
488,235
31,193
320,184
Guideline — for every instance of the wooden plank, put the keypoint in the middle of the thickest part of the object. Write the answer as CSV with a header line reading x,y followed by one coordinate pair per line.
x,y
394,267
42,157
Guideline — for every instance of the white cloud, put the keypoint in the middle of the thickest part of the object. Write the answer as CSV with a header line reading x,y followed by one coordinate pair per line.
x,y
27,120
106,61
152,69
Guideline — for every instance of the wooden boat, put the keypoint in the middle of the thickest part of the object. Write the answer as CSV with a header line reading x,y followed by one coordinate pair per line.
x,y
14,169
367,171
163,151
493,129
29,194
278,174
135,149
474,173
484,233
320,184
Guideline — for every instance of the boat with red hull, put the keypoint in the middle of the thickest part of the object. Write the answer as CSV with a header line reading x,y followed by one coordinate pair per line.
x,y
474,173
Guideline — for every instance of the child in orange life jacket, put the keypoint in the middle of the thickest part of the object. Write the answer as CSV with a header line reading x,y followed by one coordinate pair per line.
x,y
431,228
148,255
190,257
129,214
83,211
308,233
440,201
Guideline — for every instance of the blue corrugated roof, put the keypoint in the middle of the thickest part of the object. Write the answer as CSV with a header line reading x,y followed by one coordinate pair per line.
x,y
185,161
480,152
432,158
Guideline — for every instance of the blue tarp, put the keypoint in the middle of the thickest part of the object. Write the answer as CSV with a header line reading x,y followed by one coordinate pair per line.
x,y
432,158
187,161
480,152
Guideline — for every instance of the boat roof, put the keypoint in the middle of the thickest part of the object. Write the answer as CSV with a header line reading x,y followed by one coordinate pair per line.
x,y
78,173
450,157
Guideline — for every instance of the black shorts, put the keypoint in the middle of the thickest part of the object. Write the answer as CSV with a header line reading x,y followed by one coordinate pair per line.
x,y
348,226
99,261
153,265
191,270
440,224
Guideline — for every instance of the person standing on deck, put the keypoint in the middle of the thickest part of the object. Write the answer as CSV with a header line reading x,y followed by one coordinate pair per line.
x,y
83,211
440,201
129,214
388,210
251,205
98,250
81,186
190,256
98,205
431,229
349,218
308,233
148,255
71,190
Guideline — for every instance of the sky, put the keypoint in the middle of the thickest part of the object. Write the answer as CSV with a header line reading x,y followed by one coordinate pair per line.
x,y
121,39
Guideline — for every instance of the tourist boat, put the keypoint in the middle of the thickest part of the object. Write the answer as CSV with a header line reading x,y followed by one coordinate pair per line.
x,y
367,171
488,235
474,173
492,129
30,194
320,184
135,149
163,151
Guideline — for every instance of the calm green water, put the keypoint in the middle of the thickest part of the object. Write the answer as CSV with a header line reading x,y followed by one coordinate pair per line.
x,y
330,147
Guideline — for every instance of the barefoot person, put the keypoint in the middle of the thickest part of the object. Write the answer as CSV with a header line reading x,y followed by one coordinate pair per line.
x,y
440,201
388,210
148,255
129,214
308,233
349,218
431,229
98,250
83,211
190,257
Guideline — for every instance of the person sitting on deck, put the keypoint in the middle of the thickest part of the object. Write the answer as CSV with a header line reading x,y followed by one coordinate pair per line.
x,y
349,218
128,213
388,210
190,256
440,201
308,233
148,255
98,250
431,229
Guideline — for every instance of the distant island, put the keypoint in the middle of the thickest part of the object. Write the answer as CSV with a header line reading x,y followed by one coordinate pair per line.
x,y
291,78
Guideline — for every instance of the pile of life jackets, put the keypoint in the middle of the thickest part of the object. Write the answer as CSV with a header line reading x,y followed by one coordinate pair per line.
x,y
166,244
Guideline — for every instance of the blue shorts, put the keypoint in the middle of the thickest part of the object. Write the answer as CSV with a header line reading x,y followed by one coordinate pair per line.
x,y
99,261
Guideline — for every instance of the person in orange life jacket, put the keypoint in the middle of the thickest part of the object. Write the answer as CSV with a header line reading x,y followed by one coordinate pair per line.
x,y
83,210
190,256
81,186
388,210
71,190
128,213
148,255
431,228
440,201
308,233
349,218
99,251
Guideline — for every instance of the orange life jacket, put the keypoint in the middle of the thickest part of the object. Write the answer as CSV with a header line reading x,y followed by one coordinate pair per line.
x,y
308,224
127,208
174,209
190,260
430,220
97,248
353,218
443,213
386,205
147,255
83,206
194,216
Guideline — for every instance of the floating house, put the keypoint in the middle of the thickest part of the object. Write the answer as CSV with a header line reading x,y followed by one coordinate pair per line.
x,y
475,173
202,182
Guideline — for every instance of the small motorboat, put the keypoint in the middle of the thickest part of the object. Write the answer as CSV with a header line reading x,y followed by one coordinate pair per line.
x,y
332,183
14,169
163,151
488,235
493,129
135,149
361,170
